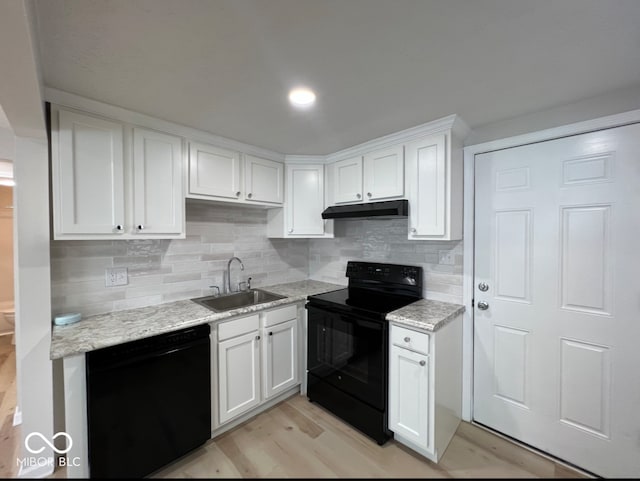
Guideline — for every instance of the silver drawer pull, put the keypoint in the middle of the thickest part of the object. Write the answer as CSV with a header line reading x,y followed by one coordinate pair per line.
x,y
422,363
407,339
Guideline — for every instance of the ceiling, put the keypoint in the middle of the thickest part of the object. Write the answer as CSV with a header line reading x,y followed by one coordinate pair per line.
x,y
377,66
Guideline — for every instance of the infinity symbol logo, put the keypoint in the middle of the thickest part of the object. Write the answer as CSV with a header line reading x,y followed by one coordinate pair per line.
x,y
48,443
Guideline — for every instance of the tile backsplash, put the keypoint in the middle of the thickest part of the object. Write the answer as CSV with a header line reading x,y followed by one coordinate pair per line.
x,y
168,270
386,241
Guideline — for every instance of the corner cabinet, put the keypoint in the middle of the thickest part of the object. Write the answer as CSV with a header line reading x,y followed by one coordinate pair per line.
x,y
113,180
216,173
434,181
425,387
301,216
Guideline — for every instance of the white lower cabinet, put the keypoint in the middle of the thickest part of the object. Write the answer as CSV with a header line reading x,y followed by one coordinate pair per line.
x,y
255,360
279,357
425,387
238,367
409,389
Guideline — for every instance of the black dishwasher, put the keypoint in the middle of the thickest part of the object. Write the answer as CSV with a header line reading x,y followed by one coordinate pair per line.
x,y
148,402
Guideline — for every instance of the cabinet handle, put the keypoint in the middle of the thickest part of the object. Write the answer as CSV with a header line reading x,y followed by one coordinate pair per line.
x,y
140,227
249,195
413,230
358,196
119,227
291,231
369,194
257,338
271,333
422,363
407,339
238,194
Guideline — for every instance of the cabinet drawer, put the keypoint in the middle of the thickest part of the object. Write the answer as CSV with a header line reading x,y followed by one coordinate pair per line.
x,y
280,315
410,339
236,327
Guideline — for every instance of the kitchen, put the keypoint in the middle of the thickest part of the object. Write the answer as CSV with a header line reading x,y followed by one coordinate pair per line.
x,y
163,271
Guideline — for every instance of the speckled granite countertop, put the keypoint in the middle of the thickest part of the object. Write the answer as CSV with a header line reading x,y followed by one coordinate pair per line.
x,y
103,330
426,314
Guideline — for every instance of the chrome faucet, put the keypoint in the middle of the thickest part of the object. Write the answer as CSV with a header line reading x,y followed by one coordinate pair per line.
x,y
229,271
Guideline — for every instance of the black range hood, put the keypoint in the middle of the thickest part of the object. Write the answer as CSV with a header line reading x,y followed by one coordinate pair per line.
x,y
391,209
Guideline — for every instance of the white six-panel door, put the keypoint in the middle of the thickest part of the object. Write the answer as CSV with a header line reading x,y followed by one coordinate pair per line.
x,y
556,353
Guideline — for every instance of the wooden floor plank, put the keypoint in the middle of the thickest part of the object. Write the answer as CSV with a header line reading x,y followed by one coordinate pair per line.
x,y
299,439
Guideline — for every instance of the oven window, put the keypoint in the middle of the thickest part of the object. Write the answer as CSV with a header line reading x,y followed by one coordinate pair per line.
x,y
349,353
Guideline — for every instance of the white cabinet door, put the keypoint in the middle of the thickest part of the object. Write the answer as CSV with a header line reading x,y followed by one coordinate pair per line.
x,y
214,172
280,357
238,375
409,396
434,187
88,175
264,180
158,196
305,202
384,174
347,178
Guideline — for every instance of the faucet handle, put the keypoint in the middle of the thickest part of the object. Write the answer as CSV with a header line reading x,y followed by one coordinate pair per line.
x,y
249,283
240,286
215,287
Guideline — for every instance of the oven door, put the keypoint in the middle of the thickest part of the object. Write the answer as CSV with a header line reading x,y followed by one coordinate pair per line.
x,y
348,352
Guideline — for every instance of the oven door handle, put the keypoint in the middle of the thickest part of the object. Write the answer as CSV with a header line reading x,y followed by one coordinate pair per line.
x,y
349,318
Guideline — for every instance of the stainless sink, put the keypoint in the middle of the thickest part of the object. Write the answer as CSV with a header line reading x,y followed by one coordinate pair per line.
x,y
226,302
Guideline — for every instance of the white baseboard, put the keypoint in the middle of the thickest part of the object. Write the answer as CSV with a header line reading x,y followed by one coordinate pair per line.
x,y
17,417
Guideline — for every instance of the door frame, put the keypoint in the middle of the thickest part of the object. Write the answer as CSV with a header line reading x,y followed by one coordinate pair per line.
x,y
600,123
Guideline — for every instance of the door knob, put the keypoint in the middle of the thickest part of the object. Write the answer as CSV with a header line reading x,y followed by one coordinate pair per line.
x,y
483,286
483,306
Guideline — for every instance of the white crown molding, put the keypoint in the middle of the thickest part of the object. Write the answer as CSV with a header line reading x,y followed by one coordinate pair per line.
x,y
305,159
69,100
583,127
450,122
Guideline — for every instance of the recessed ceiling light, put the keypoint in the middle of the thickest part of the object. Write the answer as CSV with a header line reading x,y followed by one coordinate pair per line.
x,y
302,97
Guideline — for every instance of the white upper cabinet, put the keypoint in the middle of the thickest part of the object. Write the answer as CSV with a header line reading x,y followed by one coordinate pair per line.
x,y
347,181
88,175
301,215
434,187
226,175
158,194
376,176
215,172
103,190
305,184
263,180
384,174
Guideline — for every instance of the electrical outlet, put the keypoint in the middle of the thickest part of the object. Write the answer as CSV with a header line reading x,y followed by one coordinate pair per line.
x,y
116,276
446,258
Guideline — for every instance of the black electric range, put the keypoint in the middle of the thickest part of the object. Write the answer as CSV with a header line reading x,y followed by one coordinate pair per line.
x,y
348,336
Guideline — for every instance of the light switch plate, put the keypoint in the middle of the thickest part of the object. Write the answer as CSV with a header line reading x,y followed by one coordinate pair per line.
x,y
116,276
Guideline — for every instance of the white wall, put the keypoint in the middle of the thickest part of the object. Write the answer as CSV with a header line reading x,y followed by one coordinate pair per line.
x,y
21,100
614,102
7,144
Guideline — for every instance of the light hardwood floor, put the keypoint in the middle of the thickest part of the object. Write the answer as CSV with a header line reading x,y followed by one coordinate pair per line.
x,y
299,439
